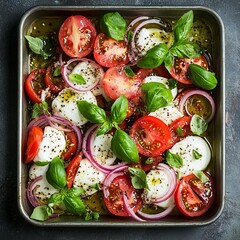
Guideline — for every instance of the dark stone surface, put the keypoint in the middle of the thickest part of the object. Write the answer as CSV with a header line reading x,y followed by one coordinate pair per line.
x,y
13,226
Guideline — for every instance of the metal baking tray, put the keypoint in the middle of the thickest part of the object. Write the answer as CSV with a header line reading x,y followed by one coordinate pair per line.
x,y
218,55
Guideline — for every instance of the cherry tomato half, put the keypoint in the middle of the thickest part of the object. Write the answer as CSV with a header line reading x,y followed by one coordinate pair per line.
x,y
34,140
121,185
34,85
71,145
76,36
180,68
151,135
193,197
109,52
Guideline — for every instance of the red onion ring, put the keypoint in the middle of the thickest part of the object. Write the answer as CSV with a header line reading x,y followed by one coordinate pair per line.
x,y
160,215
30,192
66,72
183,101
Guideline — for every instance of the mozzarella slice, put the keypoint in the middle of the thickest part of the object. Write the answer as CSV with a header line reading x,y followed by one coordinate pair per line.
x,y
87,176
167,114
185,149
102,149
161,80
167,203
91,73
147,38
52,145
65,105
43,189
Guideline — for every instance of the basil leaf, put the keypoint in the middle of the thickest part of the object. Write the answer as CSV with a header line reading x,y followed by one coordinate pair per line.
x,y
179,174
73,192
91,112
91,215
41,213
138,177
186,50
183,26
201,176
124,147
57,71
96,186
149,161
35,44
168,61
113,25
172,83
39,109
179,131
119,109
201,77
129,35
77,78
156,96
56,175
198,125
154,57
196,154
55,198
74,205
104,128
129,72
39,163
174,160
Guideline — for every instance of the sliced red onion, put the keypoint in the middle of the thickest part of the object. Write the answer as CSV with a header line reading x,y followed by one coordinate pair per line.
x,y
158,215
30,192
61,59
184,99
130,210
66,72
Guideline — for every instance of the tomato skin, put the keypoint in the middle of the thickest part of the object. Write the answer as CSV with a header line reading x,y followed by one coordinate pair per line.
x,y
34,140
151,135
121,185
159,71
72,168
76,36
116,82
71,145
38,77
179,70
192,197
184,124
109,52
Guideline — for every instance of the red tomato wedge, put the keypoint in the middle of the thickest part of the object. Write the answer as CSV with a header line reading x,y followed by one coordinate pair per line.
x,y
160,71
193,197
71,145
76,36
121,185
109,52
34,140
180,68
151,135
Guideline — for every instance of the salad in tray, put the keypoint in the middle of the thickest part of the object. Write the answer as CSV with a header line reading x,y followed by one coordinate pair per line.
x,y
120,114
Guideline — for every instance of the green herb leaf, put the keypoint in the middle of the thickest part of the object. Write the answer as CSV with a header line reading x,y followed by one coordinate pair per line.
x,y
119,109
73,192
154,56
168,61
35,44
39,109
179,131
186,50
156,96
179,174
124,147
41,213
55,198
201,77
201,176
172,83
183,26
96,186
113,25
56,175
91,111
40,163
138,177
129,35
77,78
196,154
149,161
174,160
198,125
57,71
74,205
104,128
129,72
91,215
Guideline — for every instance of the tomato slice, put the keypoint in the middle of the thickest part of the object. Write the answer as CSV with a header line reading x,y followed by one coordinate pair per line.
x,y
116,82
34,85
35,137
180,68
71,145
55,83
76,36
159,71
180,128
121,185
109,52
72,168
151,135
193,197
